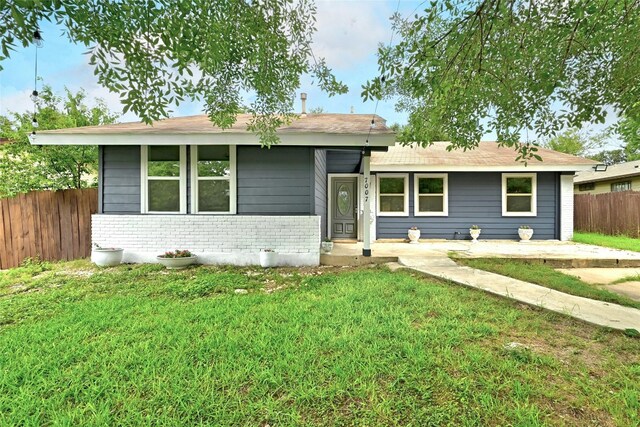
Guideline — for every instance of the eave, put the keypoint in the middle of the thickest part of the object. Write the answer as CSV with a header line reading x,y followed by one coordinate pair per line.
x,y
288,139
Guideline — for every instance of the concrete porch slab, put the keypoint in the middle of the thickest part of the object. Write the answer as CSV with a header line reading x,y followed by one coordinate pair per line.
x,y
552,252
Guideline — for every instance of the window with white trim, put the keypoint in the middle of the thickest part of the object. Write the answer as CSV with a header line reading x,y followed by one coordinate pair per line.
x,y
163,176
519,194
431,193
213,179
393,194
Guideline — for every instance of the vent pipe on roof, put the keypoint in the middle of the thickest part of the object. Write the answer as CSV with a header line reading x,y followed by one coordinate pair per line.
x,y
303,98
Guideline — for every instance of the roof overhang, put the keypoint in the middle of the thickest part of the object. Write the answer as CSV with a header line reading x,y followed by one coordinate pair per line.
x,y
579,180
498,168
288,139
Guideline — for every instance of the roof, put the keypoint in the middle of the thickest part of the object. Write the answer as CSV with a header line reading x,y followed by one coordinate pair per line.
x,y
200,124
318,130
487,156
622,170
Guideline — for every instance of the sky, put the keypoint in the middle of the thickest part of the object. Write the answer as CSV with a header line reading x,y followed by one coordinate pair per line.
x,y
348,35
349,32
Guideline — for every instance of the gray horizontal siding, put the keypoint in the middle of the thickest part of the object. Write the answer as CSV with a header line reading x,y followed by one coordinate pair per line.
x,y
476,198
120,180
343,161
320,173
275,181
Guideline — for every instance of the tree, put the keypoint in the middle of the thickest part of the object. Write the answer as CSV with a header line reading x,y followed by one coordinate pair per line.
x,y
629,131
25,167
405,134
575,142
157,53
610,157
481,66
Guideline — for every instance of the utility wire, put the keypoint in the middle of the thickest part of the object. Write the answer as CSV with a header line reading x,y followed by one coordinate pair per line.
x,y
375,109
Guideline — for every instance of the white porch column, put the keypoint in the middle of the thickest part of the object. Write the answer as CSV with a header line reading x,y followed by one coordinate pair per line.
x,y
566,207
366,217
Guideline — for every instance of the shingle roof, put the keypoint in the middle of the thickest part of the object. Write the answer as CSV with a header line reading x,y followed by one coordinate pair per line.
x,y
486,154
621,170
200,124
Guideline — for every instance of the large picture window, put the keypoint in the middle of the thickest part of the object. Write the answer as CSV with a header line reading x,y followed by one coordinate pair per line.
x,y
213,179
431,195
393,198
163,179
519,194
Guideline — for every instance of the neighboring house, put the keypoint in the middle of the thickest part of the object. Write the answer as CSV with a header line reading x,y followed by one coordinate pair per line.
x,y
188,185
620,177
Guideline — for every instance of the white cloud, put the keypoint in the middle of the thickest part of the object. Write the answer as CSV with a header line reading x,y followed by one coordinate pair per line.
x,y
13,100
349,31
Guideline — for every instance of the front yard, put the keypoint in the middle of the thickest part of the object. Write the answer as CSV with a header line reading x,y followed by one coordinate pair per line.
x,y
549,277
136,345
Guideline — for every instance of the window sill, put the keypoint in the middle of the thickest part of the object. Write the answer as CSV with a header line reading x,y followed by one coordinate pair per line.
x,y
393,213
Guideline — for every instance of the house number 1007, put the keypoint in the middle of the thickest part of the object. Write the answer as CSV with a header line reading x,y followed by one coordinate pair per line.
x,y
366,189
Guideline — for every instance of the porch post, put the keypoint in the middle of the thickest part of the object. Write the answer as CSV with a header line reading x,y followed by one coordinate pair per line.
x,y
366,217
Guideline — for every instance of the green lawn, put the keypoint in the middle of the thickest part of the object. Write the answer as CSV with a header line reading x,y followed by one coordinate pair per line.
x,y
547,276
139,345
617,242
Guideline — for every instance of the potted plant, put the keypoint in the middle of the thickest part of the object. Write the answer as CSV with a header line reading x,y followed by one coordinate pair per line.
x,y
525,232
106,257
475,231
177,259
326,246
268,258
414,234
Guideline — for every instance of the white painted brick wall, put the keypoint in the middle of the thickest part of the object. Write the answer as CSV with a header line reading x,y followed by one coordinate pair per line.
x,y
216,239
566,207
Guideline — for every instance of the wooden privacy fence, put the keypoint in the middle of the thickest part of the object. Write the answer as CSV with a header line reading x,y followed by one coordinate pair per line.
x,y
51,225
608,213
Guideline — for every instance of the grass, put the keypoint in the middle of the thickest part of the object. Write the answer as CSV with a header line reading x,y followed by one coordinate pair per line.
x,y
547,276
138,345
632,278
617,242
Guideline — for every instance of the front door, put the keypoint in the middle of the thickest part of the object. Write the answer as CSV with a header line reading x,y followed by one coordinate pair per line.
x,y
344,208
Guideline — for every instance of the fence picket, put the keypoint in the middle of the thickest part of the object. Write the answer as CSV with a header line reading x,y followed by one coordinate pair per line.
x,y
608,213
54,225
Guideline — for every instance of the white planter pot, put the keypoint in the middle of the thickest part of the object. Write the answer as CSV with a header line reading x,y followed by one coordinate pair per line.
x,y
525,234
177,263
475,233
414,236
326,247
106,257
268,259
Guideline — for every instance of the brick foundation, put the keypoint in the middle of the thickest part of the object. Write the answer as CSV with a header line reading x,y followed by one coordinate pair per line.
x,y
216,239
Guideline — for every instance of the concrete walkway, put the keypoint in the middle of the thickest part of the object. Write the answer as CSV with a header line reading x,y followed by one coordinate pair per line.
x,y
592,311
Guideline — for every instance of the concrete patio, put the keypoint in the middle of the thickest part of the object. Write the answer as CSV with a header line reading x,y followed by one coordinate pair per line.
x,y
553,252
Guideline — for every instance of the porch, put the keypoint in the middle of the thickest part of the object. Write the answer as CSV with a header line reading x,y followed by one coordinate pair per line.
x,y
552,252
